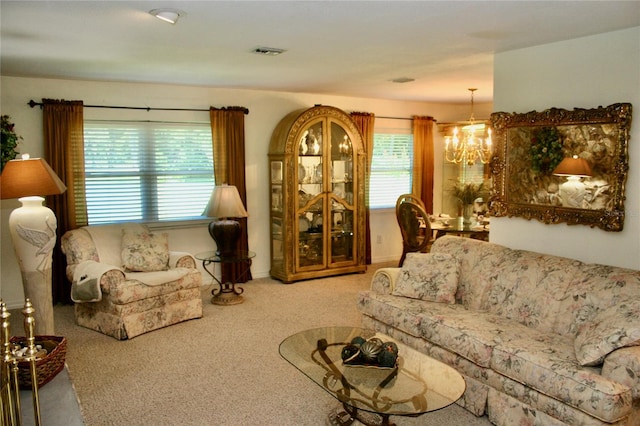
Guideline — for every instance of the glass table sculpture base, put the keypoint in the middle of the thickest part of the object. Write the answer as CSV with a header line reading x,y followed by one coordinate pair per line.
x,y
370,395
343,416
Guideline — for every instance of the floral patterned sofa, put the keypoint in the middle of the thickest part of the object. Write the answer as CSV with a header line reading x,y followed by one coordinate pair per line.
x,y
539,339
126,282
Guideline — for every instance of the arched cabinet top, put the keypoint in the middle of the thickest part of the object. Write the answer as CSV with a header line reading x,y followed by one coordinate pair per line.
x,y
286,134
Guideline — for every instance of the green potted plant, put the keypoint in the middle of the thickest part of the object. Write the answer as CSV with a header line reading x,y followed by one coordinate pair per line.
x,y
9,141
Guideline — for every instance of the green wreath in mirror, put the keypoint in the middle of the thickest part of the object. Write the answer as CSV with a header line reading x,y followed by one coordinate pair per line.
x,y
546,149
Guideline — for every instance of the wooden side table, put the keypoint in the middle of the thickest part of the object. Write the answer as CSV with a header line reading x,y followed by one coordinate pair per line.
x,y
227,293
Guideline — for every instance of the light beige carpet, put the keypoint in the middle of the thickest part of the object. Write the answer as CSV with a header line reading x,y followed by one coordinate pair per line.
x,y
223,369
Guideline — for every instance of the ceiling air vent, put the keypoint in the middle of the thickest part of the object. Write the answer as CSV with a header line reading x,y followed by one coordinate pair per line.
x,y
403,80
268,51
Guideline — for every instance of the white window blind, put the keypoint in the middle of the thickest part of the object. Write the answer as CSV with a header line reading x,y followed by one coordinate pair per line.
x,y
474,173
147,171
391,169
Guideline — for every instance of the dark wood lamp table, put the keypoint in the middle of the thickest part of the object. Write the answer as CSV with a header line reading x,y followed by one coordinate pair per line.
x,y
227,293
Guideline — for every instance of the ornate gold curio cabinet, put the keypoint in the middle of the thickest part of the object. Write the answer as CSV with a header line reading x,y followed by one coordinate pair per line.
x,y
317,195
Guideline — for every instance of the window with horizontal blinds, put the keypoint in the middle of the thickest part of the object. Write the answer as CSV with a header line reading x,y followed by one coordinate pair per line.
x,y
147,171
391,169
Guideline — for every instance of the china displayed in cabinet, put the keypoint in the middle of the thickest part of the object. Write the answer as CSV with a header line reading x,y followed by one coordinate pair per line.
x,y
317,195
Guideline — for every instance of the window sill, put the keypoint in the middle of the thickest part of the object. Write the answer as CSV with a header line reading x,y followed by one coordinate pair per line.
x,y
179,224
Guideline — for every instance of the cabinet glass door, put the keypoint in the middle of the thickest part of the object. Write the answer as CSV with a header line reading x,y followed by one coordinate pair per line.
x,y
341,196
310,198
277,239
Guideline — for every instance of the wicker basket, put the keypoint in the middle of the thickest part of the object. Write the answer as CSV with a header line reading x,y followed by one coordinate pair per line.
x,y
47,367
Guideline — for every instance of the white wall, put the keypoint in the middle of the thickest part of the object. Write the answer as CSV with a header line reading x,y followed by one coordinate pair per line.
x,y
266,109
582,73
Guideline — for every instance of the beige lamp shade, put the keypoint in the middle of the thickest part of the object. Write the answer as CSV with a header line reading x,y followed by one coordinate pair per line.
x,y
573,166
29,177
225,202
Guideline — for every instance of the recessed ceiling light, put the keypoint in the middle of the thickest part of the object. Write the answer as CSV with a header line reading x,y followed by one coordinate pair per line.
x,y
403,80
168,15
268,51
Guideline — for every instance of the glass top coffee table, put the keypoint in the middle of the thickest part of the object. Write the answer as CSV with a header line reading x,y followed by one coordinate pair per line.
x,y
419,384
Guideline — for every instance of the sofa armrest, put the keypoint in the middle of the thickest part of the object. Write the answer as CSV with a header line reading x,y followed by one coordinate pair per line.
x,y
112,279
181,259
91,279
384,280
623,366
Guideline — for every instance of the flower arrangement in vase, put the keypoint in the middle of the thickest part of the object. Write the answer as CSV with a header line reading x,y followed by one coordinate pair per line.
x,y
466,194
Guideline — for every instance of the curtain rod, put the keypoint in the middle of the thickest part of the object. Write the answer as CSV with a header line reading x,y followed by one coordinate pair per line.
x,y
401,118
33,103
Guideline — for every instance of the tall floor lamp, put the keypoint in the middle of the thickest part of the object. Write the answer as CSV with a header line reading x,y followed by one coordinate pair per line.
x,y
33,231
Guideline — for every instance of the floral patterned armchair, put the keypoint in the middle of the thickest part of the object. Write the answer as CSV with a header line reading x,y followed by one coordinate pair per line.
x,y
126,282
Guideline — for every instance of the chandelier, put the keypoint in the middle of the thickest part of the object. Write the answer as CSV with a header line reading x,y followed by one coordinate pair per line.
x,y
473,144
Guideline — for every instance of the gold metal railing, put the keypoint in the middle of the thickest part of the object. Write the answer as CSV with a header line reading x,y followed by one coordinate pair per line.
x,y
10,391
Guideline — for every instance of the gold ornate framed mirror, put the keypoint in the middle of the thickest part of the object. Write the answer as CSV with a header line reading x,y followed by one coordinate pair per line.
x,y
530,146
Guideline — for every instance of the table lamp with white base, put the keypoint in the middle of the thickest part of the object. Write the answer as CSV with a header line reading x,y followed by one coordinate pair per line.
x,y
572,191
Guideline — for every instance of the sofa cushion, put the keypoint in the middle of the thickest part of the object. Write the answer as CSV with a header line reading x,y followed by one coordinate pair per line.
x,y
426,276
469,334
593,289
132,290
546,362
144,251
530,288
108,240
531,408
480,266
613,328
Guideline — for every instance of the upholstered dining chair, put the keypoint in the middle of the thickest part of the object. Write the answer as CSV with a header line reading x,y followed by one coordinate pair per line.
x,y
414,225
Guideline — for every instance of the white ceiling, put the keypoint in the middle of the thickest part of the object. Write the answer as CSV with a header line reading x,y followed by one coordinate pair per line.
x,y
352,48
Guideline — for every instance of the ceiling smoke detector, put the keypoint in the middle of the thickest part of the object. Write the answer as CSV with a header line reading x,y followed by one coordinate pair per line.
x,y
268,51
